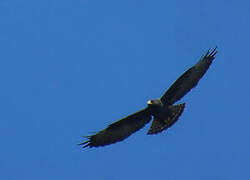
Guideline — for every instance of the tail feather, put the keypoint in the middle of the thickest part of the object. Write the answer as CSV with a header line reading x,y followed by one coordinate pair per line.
x,y
158,125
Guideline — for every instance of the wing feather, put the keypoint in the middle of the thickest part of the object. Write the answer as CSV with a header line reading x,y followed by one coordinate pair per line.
x,y
119,130
188,79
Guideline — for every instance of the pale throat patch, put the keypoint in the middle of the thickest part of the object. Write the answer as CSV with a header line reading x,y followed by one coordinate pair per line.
x,y
149,102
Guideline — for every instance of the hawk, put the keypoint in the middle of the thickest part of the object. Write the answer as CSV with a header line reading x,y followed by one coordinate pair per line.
x,y
163,111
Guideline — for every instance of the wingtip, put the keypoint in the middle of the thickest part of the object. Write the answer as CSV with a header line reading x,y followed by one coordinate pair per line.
x,y
86,146
212,53
207,53
85,143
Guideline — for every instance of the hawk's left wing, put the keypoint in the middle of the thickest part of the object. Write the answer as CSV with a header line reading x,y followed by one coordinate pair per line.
x,y
119,130
188,79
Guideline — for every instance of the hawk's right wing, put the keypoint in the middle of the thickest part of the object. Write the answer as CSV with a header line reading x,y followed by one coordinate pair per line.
x,y
119,130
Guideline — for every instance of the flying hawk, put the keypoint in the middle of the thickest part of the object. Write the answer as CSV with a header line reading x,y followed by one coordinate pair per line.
x,y
163,110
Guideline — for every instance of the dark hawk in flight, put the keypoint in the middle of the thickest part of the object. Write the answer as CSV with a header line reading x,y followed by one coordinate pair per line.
x,y
162,110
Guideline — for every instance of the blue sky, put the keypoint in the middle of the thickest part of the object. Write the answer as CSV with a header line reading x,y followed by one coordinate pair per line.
x,y
69,68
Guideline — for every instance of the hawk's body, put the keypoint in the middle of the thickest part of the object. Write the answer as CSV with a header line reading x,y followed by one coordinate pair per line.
x,y
164,113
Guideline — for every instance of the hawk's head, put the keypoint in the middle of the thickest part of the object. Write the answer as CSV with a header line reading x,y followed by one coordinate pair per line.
x,y
155,103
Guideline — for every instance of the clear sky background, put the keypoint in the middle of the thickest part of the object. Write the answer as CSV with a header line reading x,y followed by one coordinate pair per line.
x,y
70,67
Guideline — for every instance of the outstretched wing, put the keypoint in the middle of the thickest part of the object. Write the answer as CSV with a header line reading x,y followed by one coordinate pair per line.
x,y
188,79
119,130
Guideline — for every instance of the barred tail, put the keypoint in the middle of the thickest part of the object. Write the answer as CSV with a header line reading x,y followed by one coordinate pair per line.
x,y
158,125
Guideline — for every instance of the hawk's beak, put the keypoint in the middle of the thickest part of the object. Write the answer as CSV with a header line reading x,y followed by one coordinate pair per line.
x,y
149,102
